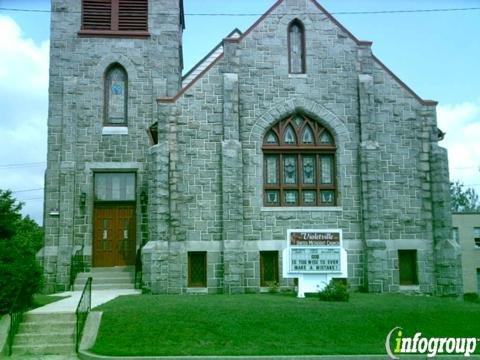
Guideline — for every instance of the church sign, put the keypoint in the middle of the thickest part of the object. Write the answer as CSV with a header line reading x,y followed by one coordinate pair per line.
x,y
315,252
315,238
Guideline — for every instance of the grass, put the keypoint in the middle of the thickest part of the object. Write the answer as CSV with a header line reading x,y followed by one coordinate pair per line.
x,y
40,300
266,324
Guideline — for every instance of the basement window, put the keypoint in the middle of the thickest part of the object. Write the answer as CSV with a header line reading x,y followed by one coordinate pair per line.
x,y
455,235
476,236
115,17
197,269
407,263
478,280
268,268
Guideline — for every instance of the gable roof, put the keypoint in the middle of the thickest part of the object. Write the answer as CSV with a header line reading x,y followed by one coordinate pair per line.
x,y
207,60
213,60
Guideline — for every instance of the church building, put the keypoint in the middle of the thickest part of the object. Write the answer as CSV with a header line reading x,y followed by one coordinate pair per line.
x,y
289,134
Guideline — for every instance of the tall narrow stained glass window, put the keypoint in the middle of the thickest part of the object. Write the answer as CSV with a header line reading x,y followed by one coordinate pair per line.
x,y
296,47
308,170
116,95
290,169
299,164
327,170
272,169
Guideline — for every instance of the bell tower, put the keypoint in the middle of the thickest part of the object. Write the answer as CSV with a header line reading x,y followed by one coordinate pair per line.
x,y
109,61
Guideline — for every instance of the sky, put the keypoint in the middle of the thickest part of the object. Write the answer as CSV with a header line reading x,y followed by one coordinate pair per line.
x,y
435,53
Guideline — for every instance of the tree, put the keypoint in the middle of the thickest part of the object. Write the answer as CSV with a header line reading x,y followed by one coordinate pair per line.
x,y
9,214
463,200
20,239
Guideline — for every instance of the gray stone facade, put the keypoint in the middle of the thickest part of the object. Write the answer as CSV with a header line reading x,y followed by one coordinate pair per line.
x,y
204,177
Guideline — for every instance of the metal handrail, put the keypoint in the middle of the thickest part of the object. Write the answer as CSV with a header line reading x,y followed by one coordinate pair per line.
x,y
76,266
138,269
15,319
83,308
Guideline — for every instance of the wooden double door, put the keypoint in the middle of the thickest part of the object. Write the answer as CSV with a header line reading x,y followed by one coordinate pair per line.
x,y
114,231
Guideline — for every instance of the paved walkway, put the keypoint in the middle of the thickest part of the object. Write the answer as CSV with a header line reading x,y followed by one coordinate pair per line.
x,y
69,304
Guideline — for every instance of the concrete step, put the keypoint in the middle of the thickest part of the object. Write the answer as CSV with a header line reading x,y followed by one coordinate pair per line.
x,y
120,277
29,339
105,279
46,349
118,269
46,327
52,317
45,334
127,285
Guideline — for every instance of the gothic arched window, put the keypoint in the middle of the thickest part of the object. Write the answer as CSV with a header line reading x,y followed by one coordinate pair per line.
x,y
296,47
299,164
116,95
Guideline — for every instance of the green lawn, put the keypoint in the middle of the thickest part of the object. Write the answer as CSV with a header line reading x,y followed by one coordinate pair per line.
x,y
40,300
268,324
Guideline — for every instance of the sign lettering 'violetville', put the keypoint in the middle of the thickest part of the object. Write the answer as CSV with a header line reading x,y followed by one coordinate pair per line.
x,y
315,252
314,239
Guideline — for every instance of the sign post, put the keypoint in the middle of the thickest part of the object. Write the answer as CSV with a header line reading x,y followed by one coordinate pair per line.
x,y
314,257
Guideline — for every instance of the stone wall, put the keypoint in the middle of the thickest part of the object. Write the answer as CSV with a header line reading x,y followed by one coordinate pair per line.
x,y
377,124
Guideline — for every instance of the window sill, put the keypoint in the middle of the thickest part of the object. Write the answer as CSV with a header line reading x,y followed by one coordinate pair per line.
x,y
115,130
197,290
301,209
111,33
301,76
409,287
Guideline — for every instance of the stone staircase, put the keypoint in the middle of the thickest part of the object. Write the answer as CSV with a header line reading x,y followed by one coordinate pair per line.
x,y
45,334
120,277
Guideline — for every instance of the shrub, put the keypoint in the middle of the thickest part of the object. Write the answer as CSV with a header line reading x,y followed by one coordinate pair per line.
x,y
273,287
336,290
471,297
20,239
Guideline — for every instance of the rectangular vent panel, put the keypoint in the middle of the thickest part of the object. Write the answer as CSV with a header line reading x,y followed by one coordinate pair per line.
x,y
96,14
133,15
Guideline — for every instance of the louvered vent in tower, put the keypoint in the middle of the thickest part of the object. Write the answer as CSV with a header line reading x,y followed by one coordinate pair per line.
x,y
96,14
133,15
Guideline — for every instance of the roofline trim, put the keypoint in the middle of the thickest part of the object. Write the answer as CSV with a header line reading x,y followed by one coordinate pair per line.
x,y
234,31
405,86
260,19
169,100
336,22
369,43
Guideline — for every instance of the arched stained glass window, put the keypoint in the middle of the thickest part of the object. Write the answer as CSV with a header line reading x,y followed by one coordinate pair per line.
x,y
307,136
289,136
116,95
326,138
296,47
271,138
299,173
